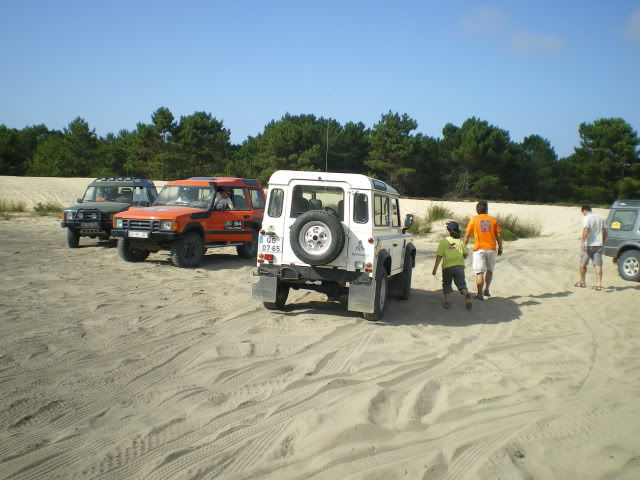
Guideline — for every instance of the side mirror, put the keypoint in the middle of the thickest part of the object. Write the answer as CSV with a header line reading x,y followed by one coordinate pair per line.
x,y
78,200
408,222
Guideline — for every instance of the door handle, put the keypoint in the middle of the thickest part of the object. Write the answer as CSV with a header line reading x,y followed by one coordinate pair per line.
x,y
246,216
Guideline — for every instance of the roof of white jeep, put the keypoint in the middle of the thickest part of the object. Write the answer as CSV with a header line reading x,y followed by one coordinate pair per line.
x,y
355,180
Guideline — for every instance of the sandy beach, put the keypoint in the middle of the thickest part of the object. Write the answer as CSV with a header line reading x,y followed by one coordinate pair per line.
x,y
117,370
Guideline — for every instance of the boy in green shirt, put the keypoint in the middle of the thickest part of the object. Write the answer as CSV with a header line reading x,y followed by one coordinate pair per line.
x,y
452,251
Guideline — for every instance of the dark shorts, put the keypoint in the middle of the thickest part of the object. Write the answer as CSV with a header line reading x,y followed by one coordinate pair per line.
x,y
594,254
455,274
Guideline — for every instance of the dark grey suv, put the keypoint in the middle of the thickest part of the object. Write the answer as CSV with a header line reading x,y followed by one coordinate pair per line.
x,y
623,240
93,215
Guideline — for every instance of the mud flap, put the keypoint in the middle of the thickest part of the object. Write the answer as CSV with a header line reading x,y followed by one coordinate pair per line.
x,y
264,290
362,298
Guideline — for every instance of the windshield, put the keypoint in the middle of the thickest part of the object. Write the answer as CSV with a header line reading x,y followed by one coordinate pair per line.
x,y
196,197
124,194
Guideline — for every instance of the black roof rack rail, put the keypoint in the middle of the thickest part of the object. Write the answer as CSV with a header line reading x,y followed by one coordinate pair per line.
x,y
202,178
144,181
626,203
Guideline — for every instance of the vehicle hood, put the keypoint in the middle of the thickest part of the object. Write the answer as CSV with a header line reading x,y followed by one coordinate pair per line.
x,y
158,213
104,207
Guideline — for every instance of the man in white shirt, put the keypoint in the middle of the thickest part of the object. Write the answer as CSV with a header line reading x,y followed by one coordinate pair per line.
x,y
594,234
223,200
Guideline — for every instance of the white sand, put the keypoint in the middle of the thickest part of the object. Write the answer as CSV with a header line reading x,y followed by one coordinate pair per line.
x,y
117,370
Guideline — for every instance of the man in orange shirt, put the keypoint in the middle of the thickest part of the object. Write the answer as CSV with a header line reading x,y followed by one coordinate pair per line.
x,y
486,233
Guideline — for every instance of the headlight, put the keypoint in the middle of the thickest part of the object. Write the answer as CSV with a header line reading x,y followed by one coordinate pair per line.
x,y
166,225
119,222
68,215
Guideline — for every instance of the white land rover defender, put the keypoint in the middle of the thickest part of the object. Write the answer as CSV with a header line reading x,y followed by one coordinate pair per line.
x,y
335,233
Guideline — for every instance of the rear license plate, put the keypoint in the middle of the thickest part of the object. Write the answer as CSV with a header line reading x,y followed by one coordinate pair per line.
x,y
89,225
270,244
139,234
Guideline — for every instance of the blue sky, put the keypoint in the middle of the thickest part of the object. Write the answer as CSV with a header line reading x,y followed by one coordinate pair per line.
x,y
531,68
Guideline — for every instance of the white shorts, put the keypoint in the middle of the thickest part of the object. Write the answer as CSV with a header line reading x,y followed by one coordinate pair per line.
x,y
484,260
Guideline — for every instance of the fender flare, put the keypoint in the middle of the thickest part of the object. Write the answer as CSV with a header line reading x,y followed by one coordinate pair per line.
x,y
411,250
193,227
383,256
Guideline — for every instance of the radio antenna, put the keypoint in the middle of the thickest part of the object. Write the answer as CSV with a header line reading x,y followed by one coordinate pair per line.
x,y
326,152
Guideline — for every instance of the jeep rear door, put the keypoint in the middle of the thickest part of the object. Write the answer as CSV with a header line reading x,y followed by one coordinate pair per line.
x,y
329,196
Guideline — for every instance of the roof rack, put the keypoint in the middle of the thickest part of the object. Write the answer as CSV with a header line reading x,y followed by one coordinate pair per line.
x,y
202,178
626,203
121,179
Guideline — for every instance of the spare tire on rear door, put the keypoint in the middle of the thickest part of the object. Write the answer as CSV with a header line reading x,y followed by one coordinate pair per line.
x,y
317,237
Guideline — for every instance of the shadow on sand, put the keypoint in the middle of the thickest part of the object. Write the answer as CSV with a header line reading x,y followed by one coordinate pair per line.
x,y
424,307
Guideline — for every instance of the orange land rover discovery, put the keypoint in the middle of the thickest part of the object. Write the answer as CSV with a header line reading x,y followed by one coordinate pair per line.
x,y
192,215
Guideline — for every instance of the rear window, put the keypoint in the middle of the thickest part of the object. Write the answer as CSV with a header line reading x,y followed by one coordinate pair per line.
x,y
623,220
276,200
317,197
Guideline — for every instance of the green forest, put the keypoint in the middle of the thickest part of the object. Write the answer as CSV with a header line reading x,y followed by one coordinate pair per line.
x,y
473,160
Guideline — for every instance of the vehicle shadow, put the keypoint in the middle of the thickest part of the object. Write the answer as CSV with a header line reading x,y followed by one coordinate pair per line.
x,y
424,307
337,308
211,262
99,243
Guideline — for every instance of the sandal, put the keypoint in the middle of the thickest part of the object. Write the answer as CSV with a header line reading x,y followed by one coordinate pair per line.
x,y
597,288
580,285
446,305
467,301
479,297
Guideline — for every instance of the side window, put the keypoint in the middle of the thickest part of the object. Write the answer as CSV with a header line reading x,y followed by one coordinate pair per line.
x,y
623,220
276,200
152,194
380,211
360,208
239,200
395,212
257,199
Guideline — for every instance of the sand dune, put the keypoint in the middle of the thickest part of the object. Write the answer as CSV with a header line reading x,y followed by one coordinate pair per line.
x,y
117,371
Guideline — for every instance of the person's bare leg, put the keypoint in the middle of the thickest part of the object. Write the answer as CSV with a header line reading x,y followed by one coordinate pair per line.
x,y
487,280
480,283
598,276
447,300
583,274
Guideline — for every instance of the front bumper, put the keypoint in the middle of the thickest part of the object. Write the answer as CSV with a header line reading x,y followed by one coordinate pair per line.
x,y
153,236
78,226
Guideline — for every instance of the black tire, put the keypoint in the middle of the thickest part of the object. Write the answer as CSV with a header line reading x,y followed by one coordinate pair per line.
x,y
187,251
381,295
282,292
73,238
249,249
629,265
130,254
317,237
405,277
